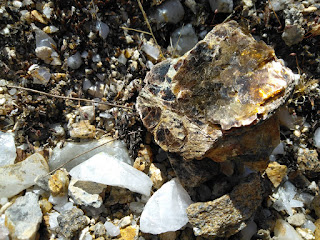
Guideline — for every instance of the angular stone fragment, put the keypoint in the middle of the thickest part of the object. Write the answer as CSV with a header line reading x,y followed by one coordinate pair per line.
x,y
71,223
23,218
86,193
105,169
69,150
276,173
216,96
228,214
17,177
166,209
194,172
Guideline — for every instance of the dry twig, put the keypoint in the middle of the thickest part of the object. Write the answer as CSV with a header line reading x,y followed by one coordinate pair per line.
x,y
68,98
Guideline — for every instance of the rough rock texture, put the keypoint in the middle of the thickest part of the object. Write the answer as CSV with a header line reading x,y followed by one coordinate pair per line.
x,y
87,193
228,214
71,222
216,93
194,172
308,162
23,218
17,177
276,172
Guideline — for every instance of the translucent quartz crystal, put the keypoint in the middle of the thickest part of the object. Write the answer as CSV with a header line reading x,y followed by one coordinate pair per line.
x,y
106,169
166,209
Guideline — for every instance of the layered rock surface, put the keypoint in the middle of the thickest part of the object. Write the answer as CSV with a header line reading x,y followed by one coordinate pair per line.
x,y
215,96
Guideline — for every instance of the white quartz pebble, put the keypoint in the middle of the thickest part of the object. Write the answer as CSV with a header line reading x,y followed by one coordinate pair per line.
x,y
184,38
112,230
103,29
17,177
170,11
24,217
74,61
284,231
106,169
316,138
8,149
166,209
222,6
69,150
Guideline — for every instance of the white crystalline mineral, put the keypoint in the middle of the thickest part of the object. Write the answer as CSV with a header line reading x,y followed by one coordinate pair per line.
x,y
61,155
46,48
8,149
103,29
222,6
284,231
24,216
112,230
106,169
170,11
74,61
184,38
17,177
316,138
166,209
285,198
41,75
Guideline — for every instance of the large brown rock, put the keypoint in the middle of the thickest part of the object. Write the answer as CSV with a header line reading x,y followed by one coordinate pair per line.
x,y
213,101
229,214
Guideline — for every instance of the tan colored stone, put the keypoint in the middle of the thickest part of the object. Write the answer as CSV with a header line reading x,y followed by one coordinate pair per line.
x,y
156,176
228,214
211,101
59,182
308,162
82,129
317,231
128,233
276,172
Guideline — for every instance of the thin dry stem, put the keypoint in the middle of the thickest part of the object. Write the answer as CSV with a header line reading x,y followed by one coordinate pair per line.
x,y
149,27
69,98
136,30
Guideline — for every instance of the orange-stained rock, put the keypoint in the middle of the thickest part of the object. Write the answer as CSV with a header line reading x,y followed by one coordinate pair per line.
x,y
276,172
213,101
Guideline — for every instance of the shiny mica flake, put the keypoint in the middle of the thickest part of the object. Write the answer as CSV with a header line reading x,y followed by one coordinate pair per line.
x,y
217,94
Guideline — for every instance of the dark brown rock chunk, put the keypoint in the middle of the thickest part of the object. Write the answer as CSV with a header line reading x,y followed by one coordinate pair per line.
x,y
228,214
204,102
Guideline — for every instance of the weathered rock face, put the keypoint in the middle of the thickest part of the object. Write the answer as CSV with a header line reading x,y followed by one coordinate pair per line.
x,y
227,215
207,101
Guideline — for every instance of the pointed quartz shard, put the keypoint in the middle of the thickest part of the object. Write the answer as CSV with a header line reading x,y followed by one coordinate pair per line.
x,y
166,209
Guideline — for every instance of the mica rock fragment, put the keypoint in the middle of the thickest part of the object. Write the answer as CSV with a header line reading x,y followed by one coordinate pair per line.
x,y
166,209
23,217
17,177
276,173
216,96
228,214
194,172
